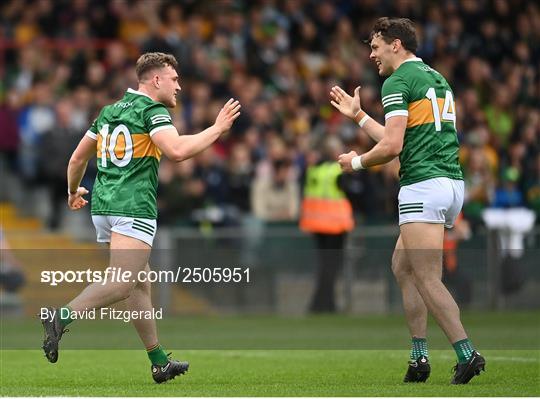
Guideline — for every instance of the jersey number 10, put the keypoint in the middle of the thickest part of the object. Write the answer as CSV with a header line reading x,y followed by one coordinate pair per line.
x,y
449,108
113,147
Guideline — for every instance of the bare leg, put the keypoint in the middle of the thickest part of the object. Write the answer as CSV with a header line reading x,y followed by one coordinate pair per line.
x,y
424,243
127,253
413,304
141,300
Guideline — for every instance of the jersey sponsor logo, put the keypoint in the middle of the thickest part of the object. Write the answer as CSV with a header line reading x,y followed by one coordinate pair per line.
x,y
160,119
123,104
392,99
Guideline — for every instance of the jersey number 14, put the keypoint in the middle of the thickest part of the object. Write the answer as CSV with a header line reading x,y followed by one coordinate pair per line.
x,y
449,108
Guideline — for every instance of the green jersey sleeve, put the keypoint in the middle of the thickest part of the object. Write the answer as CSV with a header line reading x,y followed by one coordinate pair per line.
x,y
156,118
395,97
92,132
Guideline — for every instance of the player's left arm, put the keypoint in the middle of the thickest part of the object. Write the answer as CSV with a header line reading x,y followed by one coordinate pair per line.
x,y
395,98
76,169
383,152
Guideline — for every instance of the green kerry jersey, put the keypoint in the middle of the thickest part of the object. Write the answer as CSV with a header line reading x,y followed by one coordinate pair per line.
x,y
127,159
430,147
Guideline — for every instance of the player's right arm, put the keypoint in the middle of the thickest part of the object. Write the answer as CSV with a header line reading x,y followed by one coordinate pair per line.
x,y
178,148
351,107
76,168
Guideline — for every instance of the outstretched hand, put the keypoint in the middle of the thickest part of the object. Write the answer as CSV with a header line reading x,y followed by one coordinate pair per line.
x,y
76,201
344,103
227,115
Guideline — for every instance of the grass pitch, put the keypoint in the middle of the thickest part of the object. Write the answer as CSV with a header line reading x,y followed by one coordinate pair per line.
x,y
266,367
261,373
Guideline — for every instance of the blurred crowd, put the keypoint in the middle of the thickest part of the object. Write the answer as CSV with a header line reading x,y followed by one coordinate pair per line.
x,y
63,60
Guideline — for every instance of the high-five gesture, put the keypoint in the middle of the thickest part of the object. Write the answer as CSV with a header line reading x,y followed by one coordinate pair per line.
x,y
344,103
227,115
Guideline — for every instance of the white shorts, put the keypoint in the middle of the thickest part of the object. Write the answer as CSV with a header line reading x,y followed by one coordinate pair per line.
x,y
139,228
437,200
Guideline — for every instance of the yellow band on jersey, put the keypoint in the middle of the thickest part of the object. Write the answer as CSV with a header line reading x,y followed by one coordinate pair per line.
x,y
142,146
421,112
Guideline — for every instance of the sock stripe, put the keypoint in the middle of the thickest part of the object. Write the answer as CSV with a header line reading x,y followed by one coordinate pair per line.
x,y
152,348
419,348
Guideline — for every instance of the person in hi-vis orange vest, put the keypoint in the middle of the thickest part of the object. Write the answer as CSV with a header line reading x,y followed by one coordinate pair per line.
x,y
328,215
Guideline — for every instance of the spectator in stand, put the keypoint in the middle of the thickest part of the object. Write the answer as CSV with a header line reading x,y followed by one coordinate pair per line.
x,y
58,143
180,193
532,185
278,59
508,195
479,179
11,273
276,198
239,175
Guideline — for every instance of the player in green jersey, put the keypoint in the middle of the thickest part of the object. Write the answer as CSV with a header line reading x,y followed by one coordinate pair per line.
x,y
128,138
420,128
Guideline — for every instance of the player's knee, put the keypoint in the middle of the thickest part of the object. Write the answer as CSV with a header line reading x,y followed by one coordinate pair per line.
x,y
143,286
400,268
124,291
424,282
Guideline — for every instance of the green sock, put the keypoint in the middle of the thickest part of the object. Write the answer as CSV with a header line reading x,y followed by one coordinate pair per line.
x,y
157,355
419,348
464,350
65,315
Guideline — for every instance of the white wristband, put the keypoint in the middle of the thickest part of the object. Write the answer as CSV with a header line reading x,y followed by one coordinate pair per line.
x,y
356,163
364,120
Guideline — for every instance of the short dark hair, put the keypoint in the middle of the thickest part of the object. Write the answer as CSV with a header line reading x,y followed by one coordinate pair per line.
x,y
396,28
149,61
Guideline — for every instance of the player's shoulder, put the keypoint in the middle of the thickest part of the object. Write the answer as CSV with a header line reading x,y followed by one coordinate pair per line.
x,y
395,83
156,116
103,112
155,106
150,110
418,71
156,112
